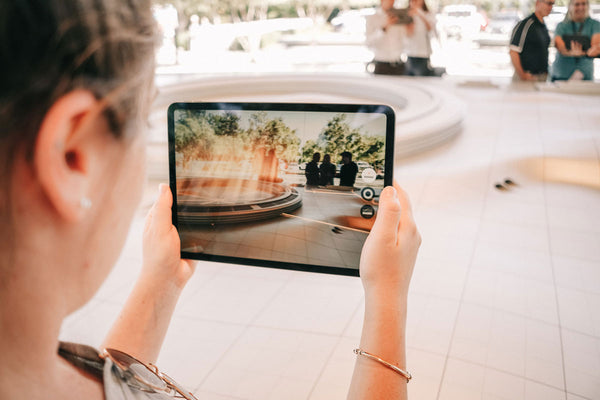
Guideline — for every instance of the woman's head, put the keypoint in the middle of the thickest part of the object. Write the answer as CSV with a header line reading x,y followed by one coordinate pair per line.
x,y
579,10
77,80
51,47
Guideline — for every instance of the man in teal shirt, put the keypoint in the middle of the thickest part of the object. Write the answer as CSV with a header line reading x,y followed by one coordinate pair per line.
x,y
572,61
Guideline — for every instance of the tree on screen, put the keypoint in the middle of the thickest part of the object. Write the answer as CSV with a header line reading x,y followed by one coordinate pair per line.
x,y
194,136
226,124
271,140
338,136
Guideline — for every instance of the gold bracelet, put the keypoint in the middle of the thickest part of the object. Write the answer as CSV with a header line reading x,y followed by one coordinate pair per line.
x,y
402,372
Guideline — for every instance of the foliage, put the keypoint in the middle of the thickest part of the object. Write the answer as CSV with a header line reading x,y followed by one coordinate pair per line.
x,y
194,137
273,135
219,137
310,147
227,124
210,136
338,136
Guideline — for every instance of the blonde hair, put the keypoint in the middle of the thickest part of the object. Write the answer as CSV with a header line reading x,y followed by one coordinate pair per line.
x,y
571,7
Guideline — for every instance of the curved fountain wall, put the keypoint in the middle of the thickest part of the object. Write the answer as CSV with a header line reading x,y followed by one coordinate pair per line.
x,y
426,116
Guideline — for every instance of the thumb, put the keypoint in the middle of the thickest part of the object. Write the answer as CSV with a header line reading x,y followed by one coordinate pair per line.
x,y
388,215
161,210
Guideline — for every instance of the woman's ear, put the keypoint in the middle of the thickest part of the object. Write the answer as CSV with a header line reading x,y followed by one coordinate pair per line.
x,y
63,152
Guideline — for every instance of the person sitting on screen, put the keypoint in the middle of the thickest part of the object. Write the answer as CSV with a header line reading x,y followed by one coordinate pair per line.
x,y
572,62
312,170
75,100
327,171
348,170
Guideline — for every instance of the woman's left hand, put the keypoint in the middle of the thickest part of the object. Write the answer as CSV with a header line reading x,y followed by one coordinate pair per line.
x,y
594,51
576,49
161,245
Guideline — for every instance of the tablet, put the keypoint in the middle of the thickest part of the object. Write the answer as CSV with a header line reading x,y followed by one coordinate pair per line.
x,y
584,41
402,16
281,185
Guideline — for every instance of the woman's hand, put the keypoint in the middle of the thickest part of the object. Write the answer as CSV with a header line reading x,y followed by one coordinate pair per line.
x,y
576,49
389,254
391,20
594,51
161,245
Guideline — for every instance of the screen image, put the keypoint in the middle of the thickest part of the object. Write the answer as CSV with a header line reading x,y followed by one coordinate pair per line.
x,y
283,185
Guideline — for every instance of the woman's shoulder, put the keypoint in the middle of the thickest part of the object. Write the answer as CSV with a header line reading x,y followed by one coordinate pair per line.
x,y
563,27
594,23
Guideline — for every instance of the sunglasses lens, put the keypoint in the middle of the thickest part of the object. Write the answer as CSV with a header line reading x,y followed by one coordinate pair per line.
x,y
139,370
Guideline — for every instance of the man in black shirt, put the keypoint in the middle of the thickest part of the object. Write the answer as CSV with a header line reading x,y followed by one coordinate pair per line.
x,y
529,44
312,171
348,170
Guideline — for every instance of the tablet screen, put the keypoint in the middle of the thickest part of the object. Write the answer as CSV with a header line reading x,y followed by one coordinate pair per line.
x,y
584,41
290,186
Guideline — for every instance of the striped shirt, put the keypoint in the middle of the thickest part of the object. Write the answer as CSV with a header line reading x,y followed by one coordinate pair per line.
x,y
530,39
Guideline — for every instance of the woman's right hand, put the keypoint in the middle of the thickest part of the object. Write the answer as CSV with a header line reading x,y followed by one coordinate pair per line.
x,y
576,49
389,254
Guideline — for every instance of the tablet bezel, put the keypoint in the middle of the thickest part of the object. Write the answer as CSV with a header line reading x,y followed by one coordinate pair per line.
x,y
299,107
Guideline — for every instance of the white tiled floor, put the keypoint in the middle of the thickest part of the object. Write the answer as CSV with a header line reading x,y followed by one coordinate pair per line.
x,y
505,297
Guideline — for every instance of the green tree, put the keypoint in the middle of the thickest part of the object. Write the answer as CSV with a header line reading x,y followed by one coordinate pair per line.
x,y
271,140
194,137
273,135
338,136
310,147
227,124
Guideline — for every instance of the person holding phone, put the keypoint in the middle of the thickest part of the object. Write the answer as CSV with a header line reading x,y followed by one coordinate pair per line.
x,y
74,99
418,39
385,36
572,60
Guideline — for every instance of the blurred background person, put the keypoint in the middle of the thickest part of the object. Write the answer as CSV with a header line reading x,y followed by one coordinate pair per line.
x,y
418,40
529,45
572,60
385,37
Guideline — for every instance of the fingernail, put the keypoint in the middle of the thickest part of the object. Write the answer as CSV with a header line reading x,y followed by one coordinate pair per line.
x,y
389,191
162,187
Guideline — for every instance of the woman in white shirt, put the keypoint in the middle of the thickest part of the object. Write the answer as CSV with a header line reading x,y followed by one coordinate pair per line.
x,y
418,46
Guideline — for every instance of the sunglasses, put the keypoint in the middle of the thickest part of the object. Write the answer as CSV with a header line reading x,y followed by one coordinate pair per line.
x,y
144,377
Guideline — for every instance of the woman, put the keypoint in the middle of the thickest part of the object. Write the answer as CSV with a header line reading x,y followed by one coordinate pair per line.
x,y
73,101
572,61
418,44
327,171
